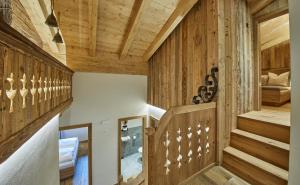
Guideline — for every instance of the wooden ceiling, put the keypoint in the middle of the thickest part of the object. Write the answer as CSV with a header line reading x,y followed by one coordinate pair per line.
x,y
274,31
112,36
116,36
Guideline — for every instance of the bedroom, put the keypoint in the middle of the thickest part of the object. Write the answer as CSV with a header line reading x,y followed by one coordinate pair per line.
x,y
75,149
276,63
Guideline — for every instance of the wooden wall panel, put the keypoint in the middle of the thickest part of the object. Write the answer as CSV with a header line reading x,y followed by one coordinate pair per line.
x,y
213,33
236,67
22,23
179,66
24,67
2,55
276,57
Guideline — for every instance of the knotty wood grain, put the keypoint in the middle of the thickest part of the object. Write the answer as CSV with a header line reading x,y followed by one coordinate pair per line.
x,y
276,57
19,56
179,66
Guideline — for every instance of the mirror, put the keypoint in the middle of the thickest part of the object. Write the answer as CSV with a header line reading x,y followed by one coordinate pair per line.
x,y
131,141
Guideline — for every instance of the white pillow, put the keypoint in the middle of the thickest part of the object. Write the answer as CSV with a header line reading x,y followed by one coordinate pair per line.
x,y
279,80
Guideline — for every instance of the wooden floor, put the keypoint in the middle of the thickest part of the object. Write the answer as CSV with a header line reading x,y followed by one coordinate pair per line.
x,y
215,176
83,148
81,173
284,108
279,115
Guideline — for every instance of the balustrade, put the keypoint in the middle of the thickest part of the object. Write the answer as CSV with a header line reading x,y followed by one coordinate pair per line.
x,y
27,98
183,143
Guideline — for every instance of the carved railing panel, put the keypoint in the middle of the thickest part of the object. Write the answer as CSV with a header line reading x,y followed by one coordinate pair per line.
x,y
183,144
28,99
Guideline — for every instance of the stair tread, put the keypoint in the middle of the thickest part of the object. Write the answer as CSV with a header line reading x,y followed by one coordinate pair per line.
x,y
275,117
262,139
279,172
215,175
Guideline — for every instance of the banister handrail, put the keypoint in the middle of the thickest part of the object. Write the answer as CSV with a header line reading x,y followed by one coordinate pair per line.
x,y
164,121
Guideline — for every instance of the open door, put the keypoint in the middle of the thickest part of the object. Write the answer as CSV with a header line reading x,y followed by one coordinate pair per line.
x,y
131,153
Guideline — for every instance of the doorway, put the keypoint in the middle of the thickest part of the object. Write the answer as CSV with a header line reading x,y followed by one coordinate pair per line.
x,y
272,55
75,154
130,149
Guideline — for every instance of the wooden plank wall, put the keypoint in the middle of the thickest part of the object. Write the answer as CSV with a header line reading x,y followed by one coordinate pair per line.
x,y
236,67
179,66
242,62
276,57
26,106
213,33
22,23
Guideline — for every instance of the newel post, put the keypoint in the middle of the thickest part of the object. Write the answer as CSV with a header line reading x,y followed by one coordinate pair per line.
x,y
6,11
150,156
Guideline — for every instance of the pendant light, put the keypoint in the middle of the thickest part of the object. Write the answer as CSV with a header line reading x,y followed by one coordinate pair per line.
x,y
51,19
57,37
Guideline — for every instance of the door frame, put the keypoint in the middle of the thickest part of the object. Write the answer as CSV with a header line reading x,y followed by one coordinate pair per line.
x,y
120,120
90,144
257,53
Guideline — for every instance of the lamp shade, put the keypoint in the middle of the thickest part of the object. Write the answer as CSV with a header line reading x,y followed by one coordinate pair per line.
x,y
51,20
57,38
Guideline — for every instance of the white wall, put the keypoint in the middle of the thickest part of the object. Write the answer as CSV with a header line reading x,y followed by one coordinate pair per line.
x,y
102,99
135,123
35,162
80,133
294,10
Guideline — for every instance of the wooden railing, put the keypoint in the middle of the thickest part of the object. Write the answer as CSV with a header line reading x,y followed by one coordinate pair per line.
x,y
183,144
34,87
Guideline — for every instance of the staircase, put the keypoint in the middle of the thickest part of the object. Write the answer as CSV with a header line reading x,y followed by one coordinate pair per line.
x,y
259,149
215,175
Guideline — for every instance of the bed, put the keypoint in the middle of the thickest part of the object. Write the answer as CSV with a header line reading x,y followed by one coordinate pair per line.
x,y
68,150
276,93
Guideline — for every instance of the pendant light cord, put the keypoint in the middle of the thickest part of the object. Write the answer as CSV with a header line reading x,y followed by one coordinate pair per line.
x,y
52,5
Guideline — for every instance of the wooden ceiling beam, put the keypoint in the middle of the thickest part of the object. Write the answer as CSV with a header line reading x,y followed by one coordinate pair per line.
x,y
183,7
256,6
93,22
138,8
105,62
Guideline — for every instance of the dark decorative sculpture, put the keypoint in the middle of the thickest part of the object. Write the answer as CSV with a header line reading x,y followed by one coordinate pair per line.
x,y
6,11
207,92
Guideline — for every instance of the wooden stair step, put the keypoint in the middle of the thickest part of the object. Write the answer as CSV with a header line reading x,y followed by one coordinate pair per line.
x,y
215,175
272,151
252,169
263,127
276,117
